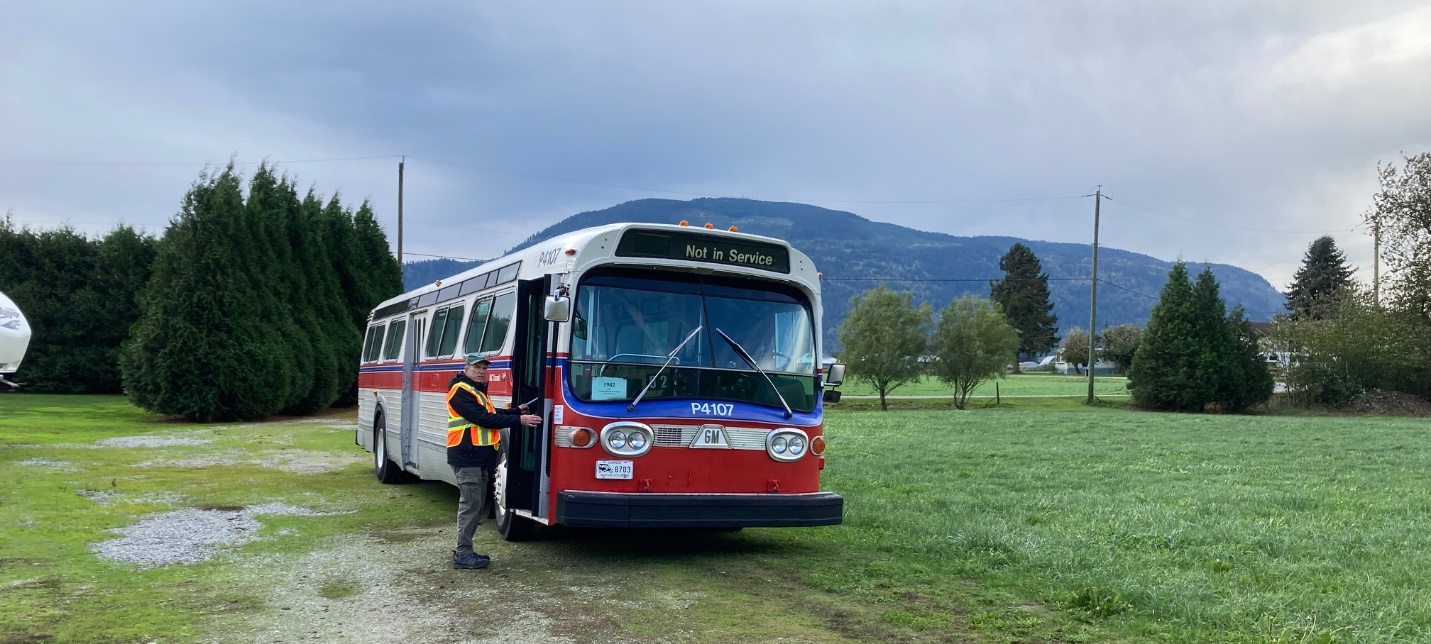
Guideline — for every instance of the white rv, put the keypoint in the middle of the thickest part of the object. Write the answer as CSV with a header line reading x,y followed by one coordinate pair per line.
x,y
14,338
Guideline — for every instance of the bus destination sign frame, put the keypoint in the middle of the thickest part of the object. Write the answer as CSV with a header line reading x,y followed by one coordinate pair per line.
x,y
695,247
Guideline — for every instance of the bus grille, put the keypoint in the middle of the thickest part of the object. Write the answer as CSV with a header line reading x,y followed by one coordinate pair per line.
x,y
682,435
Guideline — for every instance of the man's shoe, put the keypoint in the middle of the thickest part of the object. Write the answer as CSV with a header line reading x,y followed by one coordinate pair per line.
x,y
469,561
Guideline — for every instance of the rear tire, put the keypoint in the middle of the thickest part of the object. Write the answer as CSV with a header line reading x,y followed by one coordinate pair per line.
x,y
509,525
386,470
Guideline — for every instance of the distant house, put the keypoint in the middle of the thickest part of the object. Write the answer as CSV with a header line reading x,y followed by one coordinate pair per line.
x,y
1101,367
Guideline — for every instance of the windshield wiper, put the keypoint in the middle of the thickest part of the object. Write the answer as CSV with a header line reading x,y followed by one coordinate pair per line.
x,y
740,351
669,357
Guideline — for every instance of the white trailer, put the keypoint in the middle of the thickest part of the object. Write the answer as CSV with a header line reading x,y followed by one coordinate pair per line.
x,y
14,338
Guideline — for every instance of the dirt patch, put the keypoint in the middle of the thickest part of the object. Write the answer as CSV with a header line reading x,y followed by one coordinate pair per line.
x,y
388,599
1391,403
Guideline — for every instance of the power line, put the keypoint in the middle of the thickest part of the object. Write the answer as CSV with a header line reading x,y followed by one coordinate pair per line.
x,y
716,195
1210,223
162,164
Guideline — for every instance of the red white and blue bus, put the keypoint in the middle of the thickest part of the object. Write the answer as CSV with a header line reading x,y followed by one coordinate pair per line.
x,y
677,369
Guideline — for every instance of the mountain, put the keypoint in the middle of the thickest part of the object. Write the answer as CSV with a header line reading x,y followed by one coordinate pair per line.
x,y
856,254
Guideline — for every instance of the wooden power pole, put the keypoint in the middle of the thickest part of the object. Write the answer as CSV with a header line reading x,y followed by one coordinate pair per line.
x,y
400,162
1093,299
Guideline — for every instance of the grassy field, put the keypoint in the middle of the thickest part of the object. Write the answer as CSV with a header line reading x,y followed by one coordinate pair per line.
x,y
1041,522
1028,384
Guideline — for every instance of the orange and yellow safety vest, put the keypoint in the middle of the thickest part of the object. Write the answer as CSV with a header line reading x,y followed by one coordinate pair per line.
x,y
456,424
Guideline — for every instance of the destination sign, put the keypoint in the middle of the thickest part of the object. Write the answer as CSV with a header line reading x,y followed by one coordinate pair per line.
x,y
696,247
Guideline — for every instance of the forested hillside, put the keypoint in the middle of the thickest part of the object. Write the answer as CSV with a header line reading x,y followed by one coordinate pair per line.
x,y
856,254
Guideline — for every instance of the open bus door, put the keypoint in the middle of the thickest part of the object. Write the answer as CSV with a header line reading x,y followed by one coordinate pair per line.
x,y
525,449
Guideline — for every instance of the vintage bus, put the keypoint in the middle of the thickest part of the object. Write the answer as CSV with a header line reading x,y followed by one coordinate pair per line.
x,y
677,369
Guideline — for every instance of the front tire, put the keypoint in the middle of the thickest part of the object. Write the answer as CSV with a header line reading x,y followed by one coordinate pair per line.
x,y
509,525
386,470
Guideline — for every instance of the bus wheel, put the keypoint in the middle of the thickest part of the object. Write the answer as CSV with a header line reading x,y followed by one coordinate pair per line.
x,y
509,525
386,470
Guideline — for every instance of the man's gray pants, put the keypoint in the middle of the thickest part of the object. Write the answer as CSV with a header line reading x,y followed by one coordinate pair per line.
x,y
471,506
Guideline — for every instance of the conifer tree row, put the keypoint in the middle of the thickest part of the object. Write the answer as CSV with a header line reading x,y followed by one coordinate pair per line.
x,y
252,307
79,297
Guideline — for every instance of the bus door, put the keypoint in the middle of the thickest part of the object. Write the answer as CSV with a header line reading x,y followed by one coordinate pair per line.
x,y
527,447
411,398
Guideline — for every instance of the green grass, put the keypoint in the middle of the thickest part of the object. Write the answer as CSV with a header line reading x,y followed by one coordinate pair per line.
x,y
1040,520
1159,526
53,587
1029,384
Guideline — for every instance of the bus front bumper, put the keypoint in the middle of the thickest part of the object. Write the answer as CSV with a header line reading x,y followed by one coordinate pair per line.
x,y
613,510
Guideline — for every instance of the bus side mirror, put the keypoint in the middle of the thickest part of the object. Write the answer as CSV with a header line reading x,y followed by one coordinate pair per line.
x,y
558,308
831,396
835,375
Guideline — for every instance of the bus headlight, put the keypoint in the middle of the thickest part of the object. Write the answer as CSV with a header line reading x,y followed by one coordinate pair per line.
x,y
786,444
626,439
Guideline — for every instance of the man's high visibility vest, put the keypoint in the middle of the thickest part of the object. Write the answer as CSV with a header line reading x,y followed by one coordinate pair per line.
x,y
456,424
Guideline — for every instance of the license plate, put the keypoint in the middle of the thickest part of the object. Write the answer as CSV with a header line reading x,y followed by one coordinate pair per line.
x,y
613,470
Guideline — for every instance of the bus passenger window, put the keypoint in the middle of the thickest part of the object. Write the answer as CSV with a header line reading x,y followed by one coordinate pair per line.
x,y
472,343
450,330
375,339
393,348
434,334
502,311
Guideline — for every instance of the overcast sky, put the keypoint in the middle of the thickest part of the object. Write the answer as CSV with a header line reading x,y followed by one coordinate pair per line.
x,y
1201,120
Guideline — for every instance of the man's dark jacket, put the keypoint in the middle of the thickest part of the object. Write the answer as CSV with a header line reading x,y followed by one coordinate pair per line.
x,y
465,454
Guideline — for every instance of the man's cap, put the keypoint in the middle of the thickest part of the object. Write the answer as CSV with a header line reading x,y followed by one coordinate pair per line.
x,y
477,358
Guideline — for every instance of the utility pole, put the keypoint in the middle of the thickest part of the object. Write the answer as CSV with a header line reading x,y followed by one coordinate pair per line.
x,y
400,162
1093,300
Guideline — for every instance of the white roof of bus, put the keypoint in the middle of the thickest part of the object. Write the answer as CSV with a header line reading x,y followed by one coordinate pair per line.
x,y
574,239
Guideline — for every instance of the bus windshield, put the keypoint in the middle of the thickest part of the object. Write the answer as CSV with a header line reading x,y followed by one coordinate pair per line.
x,y
626,324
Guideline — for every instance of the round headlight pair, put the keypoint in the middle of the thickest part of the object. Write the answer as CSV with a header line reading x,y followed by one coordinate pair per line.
x,y
787,444
626,439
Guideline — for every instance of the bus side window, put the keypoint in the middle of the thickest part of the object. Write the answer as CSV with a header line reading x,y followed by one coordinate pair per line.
x,y
472,343
393,349
374,343
450,330
502,311
368,344
434,334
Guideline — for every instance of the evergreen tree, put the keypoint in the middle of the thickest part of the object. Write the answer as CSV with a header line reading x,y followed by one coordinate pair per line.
x,y
971,344
123,262
63,311
199,349
1248,381
382,275
1164,370
1214,348
1023,296
1321,281
883,337
340,240
271,268
334,372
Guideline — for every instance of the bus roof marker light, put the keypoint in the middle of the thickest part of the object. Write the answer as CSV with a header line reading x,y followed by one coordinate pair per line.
x,y
710,226
733,229
684,223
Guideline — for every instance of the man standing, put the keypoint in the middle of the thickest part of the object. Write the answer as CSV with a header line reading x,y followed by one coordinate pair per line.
x,y
474,434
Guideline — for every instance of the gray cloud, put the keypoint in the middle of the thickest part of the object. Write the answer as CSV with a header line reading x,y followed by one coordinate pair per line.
x,y
1237,115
